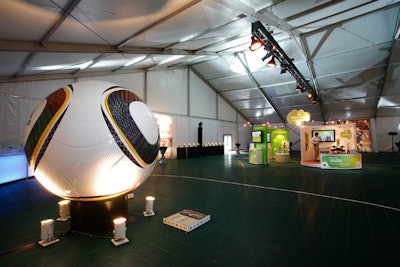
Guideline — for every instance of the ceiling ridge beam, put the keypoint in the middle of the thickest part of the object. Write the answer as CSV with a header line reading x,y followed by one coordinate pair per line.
x,y
27,46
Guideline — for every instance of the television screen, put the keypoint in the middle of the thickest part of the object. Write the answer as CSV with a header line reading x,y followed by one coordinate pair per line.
x,y
325,135
256,137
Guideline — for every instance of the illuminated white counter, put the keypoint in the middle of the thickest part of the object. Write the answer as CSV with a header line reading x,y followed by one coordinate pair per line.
x,y
341,161
13,166
282,157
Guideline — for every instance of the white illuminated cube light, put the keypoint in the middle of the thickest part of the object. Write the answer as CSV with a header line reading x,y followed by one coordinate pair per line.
x,y
63,207
119,232
47,233
148,209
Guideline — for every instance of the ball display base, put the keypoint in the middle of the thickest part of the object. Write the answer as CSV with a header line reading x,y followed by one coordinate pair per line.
x,y
45,243
95,216
148,213
63,219
119,242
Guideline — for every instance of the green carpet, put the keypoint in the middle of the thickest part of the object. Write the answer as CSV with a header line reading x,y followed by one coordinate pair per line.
x,y
283,214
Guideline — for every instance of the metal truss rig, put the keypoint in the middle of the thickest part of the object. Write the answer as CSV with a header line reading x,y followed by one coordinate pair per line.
x,y
271,45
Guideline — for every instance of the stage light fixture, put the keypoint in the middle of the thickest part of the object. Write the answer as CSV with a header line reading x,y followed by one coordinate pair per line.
x,y
267,56
255,44
315,101
119,232
299,89
283,69
271,63
310,95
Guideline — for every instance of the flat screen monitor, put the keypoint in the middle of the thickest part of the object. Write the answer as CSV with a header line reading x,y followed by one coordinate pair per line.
x,y
325,135
256,136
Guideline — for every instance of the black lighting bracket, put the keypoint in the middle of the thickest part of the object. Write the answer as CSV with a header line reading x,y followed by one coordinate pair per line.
x,y
260,33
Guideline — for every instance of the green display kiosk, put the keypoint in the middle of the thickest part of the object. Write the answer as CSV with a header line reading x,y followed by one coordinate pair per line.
x,y
258,150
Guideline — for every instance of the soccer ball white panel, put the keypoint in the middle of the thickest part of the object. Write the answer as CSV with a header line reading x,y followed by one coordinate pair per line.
x,y
143,117
85,142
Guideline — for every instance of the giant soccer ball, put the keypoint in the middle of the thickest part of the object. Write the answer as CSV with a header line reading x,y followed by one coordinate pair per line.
x,y
91,140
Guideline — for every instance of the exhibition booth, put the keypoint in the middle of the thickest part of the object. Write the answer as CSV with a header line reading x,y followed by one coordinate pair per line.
x,y
336,147
267,144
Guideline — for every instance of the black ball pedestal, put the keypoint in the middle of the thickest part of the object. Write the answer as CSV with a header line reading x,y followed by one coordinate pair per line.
x,y
95,216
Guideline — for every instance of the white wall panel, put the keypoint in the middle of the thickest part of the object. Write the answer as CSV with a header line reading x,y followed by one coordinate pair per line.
x,y
383,127
17,101
167,91
225,111
133,81
203,100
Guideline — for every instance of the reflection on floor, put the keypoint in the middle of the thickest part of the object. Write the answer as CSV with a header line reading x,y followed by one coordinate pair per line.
x,y
283,214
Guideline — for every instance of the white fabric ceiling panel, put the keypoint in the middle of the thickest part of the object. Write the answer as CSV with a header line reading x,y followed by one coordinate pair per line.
x,y
240,81
290,100
388,112
215,69
58,63
395,56
237,45
361,103
389,101
360,59
237,26
276,90
126,16
10,62
272,76
72,31
38,17
350,79
242,94
347,114
349,93
391,87
110,62
197,18
322,14
251,104
352,35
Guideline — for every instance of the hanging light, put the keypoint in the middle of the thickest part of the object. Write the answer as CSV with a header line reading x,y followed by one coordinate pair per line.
x,y
267,55
315,101
255,44
310,95
272,63
283,68
299,88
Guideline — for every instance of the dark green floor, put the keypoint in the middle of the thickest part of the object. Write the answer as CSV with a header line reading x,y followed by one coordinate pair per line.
x,y
283,214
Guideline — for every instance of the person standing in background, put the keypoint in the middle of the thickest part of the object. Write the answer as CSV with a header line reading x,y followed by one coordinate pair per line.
x,y
315,141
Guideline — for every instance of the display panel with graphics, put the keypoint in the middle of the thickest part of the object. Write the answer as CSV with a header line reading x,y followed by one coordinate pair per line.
x,y
325,135
256,136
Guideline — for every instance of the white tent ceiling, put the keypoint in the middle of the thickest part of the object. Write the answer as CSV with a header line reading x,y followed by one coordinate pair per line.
x,y
349,51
